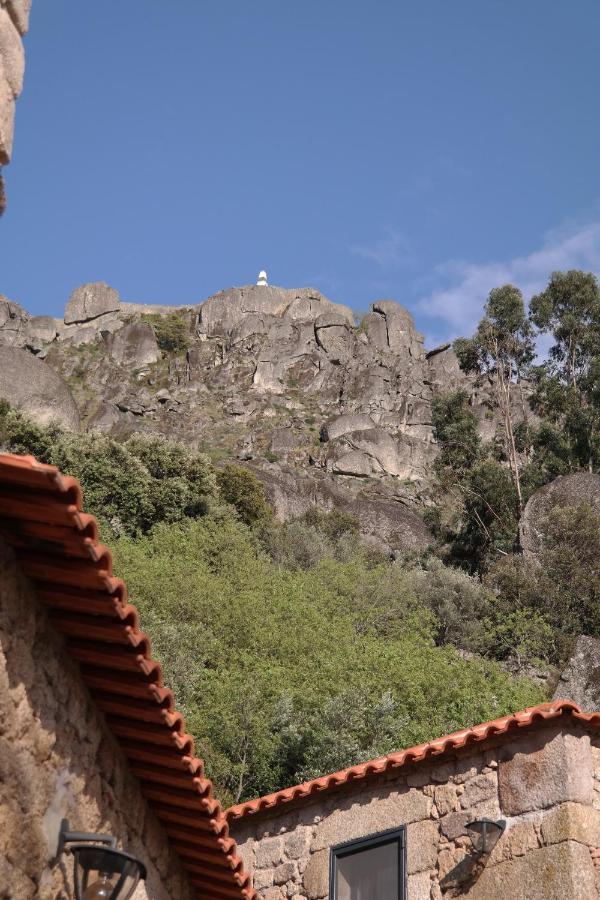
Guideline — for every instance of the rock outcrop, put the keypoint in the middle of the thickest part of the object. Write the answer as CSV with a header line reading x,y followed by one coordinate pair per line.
x,y
580,680
134,344
566,490
13,323
284,380
14,21
386,521
90,301
33,387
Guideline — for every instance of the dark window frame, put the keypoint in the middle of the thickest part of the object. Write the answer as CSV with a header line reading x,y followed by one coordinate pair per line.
x,y
349,848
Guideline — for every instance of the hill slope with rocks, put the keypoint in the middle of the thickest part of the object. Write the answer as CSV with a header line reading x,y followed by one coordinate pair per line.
x,y
326,410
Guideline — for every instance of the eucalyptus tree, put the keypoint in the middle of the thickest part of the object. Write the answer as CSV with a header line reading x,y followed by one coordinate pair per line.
x,y
502,349
568,383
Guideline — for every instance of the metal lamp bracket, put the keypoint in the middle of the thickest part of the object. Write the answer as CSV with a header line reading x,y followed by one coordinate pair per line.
x,y
72,837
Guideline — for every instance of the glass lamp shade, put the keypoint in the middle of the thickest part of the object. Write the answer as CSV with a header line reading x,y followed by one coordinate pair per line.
x,y
485,834
102,873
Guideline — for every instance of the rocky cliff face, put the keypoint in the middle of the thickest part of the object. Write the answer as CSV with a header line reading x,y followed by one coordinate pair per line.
x,y
14,21
326,410
565,490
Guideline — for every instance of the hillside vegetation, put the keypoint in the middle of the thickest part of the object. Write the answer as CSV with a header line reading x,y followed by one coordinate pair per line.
x,y
295,649
292,649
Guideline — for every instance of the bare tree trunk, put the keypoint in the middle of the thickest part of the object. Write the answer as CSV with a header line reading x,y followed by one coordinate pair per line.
x,y
511,449
241,779
528,447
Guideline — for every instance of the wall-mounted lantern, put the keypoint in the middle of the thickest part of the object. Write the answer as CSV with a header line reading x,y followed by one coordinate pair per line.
x,y
485,834
101,872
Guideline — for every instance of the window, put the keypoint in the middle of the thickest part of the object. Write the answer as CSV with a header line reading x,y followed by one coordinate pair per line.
x,y
372,868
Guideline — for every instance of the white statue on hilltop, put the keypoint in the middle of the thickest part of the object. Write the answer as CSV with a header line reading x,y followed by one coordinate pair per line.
x,y
262,279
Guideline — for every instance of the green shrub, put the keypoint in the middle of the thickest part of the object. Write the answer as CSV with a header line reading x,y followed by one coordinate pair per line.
x,y
456,431
171,331
304,542
245,493
129,486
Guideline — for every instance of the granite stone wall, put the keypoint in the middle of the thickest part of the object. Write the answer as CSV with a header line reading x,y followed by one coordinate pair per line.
x,y
544,783
57,758
14,21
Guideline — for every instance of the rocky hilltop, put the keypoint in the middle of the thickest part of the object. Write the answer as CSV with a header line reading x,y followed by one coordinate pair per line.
x,y
325,409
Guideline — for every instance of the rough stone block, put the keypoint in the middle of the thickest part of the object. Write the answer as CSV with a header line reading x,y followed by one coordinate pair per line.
x,y
446,799
245,849
269,853
316,875
572,821
262,878
297,844
287,871
467,768
421,846
479,789
519,838
442,773
274,893
418,776
385,809
419,886
546,769
552,873
453,825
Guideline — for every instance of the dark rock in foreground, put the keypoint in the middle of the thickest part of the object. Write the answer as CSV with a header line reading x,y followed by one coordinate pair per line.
x,y
580,680
566,490
33,387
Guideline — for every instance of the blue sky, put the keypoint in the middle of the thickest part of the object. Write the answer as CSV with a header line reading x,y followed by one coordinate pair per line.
x,y
419,151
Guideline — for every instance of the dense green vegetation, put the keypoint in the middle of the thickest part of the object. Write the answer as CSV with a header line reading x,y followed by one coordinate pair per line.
x,y
287,674
292,648
549,424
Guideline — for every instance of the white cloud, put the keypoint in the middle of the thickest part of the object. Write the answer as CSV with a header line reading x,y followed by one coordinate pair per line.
x,y
391,251
463,287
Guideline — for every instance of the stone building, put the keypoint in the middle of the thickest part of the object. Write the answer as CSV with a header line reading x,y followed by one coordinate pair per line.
x,y
395,827
87,730
14,21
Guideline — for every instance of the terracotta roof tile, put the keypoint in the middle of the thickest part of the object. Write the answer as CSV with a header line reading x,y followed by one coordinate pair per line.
x,y
57,546
527,718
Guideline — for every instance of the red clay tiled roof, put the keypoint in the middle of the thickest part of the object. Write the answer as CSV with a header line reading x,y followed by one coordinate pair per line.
x,y
527,718
57,547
